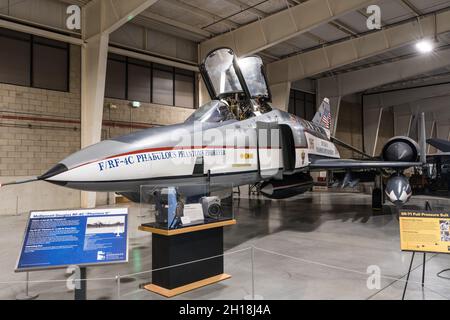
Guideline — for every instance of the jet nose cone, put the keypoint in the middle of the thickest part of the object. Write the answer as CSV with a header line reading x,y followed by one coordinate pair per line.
x,y
58,169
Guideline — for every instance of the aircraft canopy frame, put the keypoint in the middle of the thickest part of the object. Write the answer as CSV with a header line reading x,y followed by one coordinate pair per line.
x,y
226,75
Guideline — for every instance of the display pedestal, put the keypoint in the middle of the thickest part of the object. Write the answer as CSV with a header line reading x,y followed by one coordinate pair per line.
x,y
177,247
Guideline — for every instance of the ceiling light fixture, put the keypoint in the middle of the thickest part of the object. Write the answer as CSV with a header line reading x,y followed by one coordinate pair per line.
x,y
424,46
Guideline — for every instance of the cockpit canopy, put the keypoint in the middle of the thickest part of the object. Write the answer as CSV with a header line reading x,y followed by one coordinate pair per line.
x,y
238,88
226,75
219,66
252,69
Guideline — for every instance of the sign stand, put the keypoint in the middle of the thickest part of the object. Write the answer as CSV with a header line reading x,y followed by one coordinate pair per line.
x,y
427,207
81,288
196,254
27,295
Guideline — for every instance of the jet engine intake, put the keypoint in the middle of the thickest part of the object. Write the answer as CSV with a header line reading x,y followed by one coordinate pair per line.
x,y
290,186
400,149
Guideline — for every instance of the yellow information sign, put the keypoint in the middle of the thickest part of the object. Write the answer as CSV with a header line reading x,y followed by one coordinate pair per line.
x,y
425,231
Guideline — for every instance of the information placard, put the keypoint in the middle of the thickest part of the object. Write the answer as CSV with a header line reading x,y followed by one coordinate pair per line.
x,y
83,237
425,231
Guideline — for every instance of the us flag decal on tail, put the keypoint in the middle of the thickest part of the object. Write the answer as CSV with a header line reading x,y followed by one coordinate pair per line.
x,y
326,120
323,115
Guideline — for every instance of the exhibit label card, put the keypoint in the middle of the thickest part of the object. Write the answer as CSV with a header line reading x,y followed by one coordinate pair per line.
x,y
425,231
194,212
55,239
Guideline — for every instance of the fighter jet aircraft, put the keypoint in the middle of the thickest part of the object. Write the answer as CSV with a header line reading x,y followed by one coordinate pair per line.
x,y
237,138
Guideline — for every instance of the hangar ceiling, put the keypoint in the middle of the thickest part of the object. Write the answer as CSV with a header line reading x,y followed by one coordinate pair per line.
x,y
199,20
220,16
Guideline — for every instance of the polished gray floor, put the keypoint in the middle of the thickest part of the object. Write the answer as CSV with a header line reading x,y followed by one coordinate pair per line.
x,y
314,246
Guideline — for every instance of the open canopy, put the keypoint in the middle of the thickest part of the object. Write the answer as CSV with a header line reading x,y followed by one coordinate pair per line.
x,y
221,73
252,69
226,75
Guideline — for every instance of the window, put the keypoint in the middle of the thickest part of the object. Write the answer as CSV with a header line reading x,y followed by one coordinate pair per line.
x,y
15,64
163,85
302,104
137,80
184,91
33,61
116,72
50,64
310,106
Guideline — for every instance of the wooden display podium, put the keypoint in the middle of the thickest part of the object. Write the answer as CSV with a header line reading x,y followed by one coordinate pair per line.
x,y
176,247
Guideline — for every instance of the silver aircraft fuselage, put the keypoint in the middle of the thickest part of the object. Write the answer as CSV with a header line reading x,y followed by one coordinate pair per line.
x,y
236,139
231,152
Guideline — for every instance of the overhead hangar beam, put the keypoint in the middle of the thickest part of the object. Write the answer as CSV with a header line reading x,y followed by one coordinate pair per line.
x,y
435,108
425,80
407,95
433,104
281,26
106,16
411,7
196,33
313,62
364,79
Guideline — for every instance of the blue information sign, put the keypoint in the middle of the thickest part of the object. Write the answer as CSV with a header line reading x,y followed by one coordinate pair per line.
x,y
55,239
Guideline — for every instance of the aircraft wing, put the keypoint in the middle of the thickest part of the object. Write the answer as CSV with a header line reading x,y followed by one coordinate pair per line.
x,y
440,144
432,158
442,154
360,164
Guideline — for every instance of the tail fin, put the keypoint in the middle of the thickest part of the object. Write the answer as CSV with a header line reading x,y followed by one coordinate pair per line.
x,y
323,115
417,132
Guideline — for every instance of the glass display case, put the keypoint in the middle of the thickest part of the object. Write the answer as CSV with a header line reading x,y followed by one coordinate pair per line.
x,y
185,205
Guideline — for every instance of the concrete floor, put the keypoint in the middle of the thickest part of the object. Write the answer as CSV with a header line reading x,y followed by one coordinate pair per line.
x,y
314,246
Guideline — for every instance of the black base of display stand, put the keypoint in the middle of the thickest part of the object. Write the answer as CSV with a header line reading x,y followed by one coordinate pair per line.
x,y
186,259
183,248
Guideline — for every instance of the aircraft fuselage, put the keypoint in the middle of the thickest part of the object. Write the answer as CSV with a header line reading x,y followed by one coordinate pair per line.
x,y
232,152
